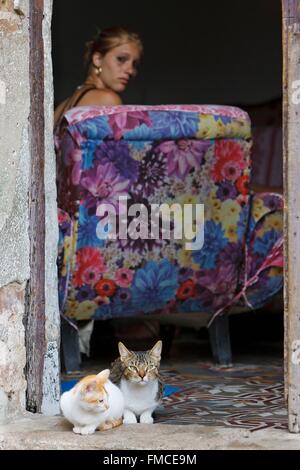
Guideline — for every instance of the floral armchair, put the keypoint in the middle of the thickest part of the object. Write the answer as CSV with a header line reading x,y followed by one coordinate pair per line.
x,y
162,155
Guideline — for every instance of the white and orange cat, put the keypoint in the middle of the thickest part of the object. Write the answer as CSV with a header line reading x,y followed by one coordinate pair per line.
x,y
93,403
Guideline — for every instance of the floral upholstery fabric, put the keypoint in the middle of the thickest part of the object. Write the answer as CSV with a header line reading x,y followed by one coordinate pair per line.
x,y
162,155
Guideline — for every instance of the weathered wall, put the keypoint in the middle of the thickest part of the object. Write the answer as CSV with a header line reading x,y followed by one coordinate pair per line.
x,y
12,354
14,177
14,214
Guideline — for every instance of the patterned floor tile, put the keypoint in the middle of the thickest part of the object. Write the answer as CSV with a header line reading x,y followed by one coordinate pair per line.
x,y
251,397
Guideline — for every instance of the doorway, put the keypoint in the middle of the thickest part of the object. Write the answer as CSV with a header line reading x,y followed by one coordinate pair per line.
x,y
253,83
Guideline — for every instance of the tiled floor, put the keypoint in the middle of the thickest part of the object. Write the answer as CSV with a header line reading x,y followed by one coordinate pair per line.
x,y
243,396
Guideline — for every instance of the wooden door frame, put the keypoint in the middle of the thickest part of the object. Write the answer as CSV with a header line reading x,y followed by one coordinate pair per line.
x,y
42,319
291,159
35,321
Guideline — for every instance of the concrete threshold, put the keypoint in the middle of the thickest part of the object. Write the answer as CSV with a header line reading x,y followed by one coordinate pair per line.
x,y
50,433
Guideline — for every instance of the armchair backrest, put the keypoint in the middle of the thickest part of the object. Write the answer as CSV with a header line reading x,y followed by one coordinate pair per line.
x,y
152,156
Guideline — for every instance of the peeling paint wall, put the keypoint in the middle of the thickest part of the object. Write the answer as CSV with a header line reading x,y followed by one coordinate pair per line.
x,y
14,214
12,355
14,146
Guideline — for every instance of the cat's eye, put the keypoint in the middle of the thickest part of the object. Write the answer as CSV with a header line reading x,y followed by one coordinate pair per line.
x,y
132,368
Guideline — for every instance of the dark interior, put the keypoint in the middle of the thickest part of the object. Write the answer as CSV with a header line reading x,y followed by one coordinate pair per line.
x,y
222,52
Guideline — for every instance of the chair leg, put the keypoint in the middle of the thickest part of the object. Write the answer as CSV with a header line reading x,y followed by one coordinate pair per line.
x,y
70,352
220,341
167,334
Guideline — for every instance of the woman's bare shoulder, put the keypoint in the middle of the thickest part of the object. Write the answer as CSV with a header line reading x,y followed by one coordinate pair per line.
x,y
98,97
58,110
61,105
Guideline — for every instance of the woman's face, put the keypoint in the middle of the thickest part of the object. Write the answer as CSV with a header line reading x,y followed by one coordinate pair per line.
x,y
119,65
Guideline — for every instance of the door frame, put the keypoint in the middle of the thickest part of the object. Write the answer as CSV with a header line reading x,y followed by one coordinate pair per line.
x,y
291,165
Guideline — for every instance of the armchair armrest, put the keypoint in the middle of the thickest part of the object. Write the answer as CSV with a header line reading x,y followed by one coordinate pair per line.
x,y
264,248
65,249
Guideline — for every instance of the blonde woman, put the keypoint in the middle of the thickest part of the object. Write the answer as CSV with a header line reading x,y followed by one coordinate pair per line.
x,y
112,59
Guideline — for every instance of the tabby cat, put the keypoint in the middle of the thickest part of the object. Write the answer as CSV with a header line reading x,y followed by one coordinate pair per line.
x,y
137,375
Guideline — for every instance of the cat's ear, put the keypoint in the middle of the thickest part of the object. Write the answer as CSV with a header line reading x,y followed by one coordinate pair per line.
x,y
124,352
103,375
88,387
156,351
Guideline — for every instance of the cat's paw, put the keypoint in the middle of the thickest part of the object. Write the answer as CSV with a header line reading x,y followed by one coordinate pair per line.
x,y
77,430
129,418
146,419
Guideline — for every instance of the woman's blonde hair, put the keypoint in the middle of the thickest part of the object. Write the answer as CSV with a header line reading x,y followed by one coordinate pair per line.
x,y
108,39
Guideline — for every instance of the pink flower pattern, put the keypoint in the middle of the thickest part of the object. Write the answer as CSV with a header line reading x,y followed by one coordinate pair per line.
x,y
124,277
104,185
126,121
183,155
